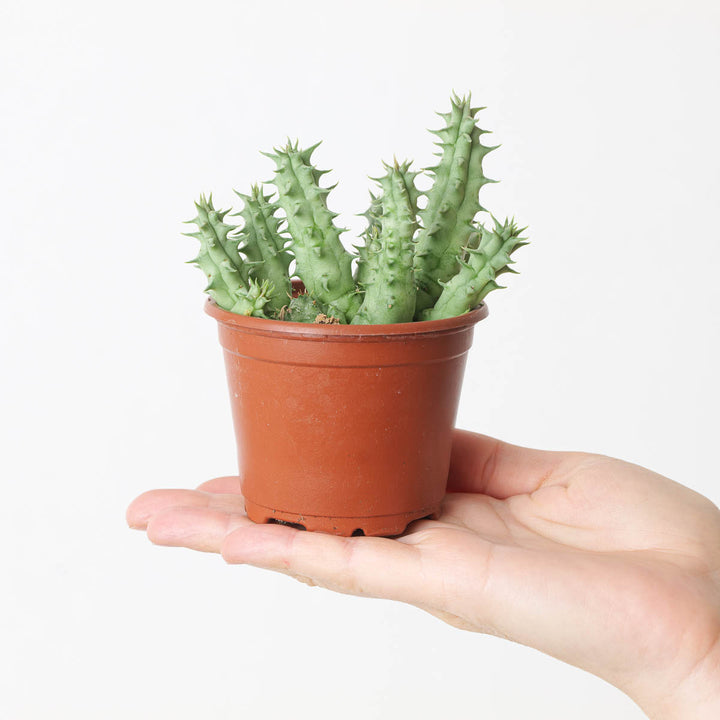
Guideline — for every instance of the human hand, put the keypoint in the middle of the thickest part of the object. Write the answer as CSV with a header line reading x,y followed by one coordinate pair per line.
x,y
600,563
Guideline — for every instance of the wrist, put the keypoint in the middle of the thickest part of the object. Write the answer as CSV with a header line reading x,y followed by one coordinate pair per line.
x,y
695,697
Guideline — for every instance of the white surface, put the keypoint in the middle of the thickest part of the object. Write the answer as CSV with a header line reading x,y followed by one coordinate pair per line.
x,y
116,116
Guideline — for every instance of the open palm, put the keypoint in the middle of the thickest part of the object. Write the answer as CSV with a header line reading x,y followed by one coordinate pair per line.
x,y
598,562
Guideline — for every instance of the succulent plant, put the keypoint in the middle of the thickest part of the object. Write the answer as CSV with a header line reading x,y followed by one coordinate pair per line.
x,y
413,263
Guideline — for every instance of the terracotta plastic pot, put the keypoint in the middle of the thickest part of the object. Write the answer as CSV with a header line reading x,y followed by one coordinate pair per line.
x,y
345,429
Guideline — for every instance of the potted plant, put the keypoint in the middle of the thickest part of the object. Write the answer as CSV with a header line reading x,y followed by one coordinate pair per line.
x,y
345,370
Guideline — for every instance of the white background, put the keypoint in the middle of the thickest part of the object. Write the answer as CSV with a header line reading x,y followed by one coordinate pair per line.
x,y
116,116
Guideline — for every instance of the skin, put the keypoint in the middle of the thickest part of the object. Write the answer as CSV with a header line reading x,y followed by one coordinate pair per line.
x,y
598,562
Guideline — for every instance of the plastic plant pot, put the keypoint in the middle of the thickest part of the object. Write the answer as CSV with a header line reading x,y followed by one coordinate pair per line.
x,y
344,429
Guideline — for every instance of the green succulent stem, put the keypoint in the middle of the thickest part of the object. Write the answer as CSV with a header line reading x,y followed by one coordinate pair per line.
x,y
323,264
390,288
264,245
452,202
478,272
229,283
370,240
253,299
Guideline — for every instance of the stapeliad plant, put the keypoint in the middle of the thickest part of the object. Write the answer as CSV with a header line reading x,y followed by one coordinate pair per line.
x,y
412,264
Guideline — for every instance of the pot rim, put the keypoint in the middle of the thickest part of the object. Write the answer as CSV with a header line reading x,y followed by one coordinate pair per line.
x,y
287,328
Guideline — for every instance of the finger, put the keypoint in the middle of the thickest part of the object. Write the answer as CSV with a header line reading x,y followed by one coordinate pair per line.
x,y
154,501
367,566
229,484
481,464
194,527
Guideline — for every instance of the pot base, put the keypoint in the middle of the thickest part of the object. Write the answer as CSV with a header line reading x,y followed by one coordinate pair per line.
x,y
377,525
